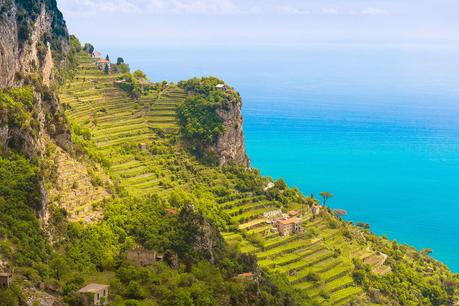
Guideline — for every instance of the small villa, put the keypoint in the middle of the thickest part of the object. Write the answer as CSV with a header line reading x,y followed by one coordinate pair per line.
x,y
5,280
101,63
94,294
289,226
220,87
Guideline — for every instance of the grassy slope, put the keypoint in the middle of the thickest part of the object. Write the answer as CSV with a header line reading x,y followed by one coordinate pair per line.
x,y
117,126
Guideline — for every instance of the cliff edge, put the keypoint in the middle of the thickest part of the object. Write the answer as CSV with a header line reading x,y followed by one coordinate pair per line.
x,y
211,121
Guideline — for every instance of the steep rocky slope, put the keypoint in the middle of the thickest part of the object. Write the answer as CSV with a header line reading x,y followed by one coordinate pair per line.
x,y
230,146
31,33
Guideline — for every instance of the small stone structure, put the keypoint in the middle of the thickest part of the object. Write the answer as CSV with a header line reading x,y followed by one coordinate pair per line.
x,y
142,257
143,146
94,294
221,87
289,226
315,209
5,280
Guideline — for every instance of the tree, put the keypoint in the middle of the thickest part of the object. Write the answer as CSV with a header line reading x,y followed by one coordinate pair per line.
x,y
120,61
123,68
106,69
107,57
75,43
140,75
88,48
326,195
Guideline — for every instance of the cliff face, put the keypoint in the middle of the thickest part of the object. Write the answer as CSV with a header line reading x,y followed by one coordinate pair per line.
x,y
211,121
230,146
32,33
33,36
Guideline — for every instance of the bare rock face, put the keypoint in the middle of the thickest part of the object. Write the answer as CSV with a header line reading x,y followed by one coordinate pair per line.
x,y
9,48
26,36
33,54
230,146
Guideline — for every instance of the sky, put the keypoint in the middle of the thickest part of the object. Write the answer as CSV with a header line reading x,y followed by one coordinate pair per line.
x,y
145,23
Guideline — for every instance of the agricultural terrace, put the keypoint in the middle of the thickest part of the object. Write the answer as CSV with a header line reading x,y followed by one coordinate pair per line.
x,y
137,142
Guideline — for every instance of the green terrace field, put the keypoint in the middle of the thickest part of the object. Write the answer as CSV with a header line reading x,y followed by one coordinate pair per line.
x,y
308,259
117,125
111,127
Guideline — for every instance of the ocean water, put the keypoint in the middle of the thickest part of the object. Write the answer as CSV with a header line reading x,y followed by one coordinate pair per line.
x,y
378,126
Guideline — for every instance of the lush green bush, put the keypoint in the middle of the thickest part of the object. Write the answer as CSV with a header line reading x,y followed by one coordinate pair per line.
x,y
15,107
19,200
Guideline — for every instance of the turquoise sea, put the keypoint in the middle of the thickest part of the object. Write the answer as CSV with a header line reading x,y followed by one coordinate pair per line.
x,y
376,125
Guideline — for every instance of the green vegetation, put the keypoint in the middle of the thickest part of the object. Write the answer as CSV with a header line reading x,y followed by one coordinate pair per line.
x,y
207,222
16,107
28,12
199,121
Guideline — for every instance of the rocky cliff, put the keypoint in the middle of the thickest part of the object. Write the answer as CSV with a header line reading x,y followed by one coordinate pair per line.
x,y
211,121
32,35
33,39
230,147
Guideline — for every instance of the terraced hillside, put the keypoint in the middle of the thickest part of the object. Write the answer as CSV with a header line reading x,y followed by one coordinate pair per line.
x,y
136,141
317,261
127,134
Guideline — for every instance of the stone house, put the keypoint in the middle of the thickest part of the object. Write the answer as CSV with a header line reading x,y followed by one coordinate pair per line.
x,y
5,280
289,226
94,294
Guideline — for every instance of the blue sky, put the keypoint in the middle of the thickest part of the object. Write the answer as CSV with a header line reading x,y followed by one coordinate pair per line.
x,y
243,22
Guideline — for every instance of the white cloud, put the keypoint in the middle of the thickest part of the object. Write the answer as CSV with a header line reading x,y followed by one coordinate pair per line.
x,y
100,6
193,6
329,11
293,10
373,11
150,6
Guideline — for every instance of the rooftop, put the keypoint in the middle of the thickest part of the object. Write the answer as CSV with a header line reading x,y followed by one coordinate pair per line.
x,y
291,221
220,86
93,288
101,60
171,211
247,274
